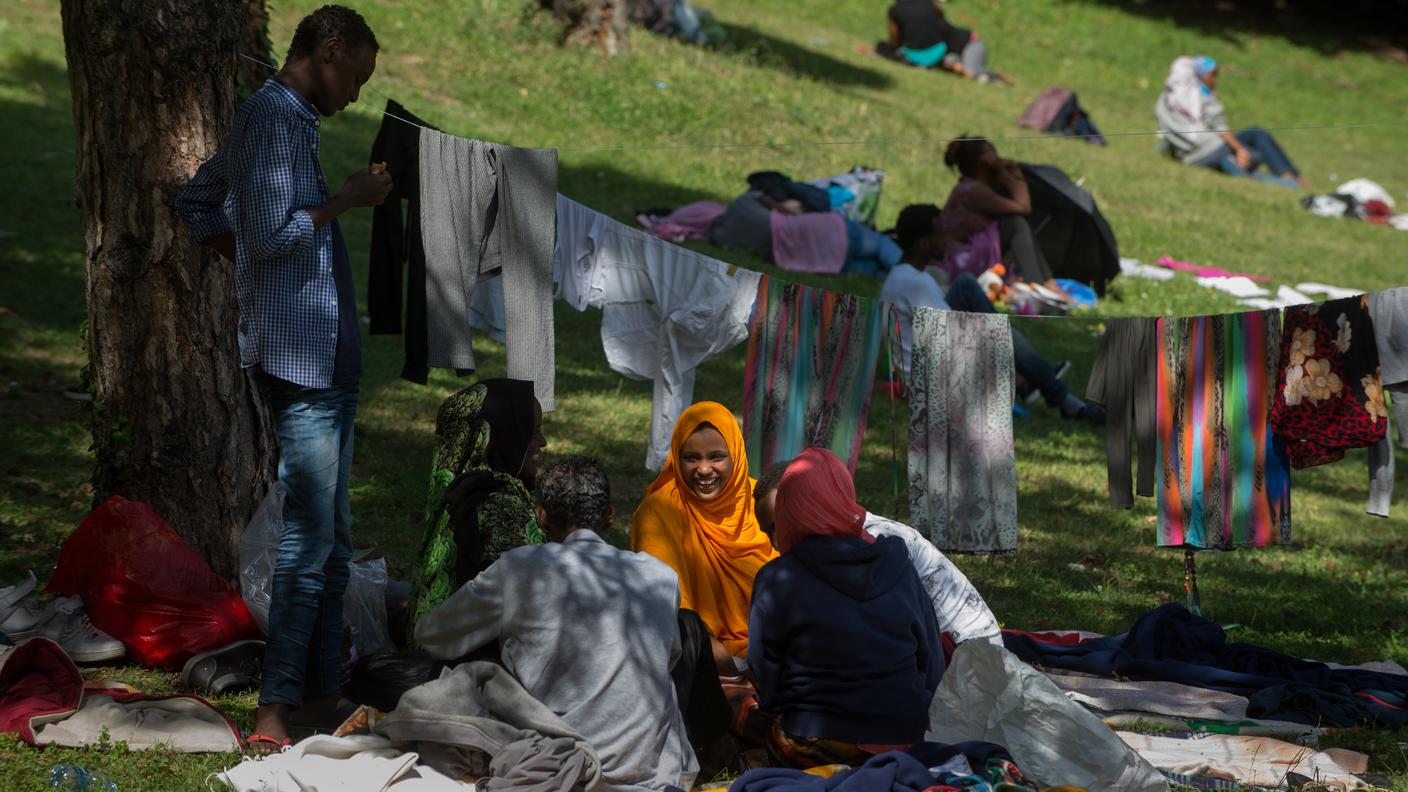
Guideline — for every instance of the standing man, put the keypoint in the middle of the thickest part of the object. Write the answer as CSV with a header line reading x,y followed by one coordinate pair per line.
x,y
262,201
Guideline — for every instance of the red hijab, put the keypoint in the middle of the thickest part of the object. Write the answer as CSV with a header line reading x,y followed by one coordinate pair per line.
x,y
817,497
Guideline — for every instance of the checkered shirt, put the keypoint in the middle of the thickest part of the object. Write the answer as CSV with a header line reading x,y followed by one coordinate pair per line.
x,y
260,185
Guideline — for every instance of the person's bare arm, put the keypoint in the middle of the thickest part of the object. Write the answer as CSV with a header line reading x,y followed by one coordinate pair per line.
x,y
983,198
1243,157
894,34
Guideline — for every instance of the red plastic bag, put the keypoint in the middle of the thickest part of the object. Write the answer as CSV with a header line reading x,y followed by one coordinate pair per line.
x,y
143,585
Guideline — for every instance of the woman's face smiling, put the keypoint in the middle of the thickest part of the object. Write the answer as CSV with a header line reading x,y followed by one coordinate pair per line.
x,y
705,463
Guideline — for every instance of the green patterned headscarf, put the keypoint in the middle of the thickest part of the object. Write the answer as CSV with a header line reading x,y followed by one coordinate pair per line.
x,y
482,434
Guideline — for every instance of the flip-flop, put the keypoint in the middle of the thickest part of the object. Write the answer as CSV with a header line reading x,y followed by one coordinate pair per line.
x,y
254,740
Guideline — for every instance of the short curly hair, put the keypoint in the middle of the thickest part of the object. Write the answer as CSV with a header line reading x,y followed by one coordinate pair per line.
x,y
575,493
769,479
328,22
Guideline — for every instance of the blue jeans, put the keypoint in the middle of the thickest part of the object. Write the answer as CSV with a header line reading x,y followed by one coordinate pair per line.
x,y
1264,150
964,294
303,651
869,252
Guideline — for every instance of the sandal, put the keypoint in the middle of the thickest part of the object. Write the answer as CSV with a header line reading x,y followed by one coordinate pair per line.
x,y
254,744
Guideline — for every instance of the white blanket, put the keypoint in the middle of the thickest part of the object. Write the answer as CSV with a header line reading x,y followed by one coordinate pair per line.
x,y
358,763
1254,761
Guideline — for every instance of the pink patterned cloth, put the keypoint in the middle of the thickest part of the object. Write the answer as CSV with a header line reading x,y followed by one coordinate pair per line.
x,y
812,242
691,221
1205,272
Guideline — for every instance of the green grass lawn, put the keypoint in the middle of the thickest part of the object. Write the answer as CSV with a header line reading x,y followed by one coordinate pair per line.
x,y
792,79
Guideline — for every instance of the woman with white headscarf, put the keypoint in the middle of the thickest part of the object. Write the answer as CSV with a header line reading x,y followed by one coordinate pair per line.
x,y
1194,125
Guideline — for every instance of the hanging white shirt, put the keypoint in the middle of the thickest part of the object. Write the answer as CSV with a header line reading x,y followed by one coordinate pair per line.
x,y
905,289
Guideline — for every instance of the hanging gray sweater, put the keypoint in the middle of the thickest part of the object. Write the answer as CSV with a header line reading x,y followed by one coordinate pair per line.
x,y
486,209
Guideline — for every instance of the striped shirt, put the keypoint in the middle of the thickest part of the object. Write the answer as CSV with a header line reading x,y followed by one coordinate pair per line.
x,y
260,185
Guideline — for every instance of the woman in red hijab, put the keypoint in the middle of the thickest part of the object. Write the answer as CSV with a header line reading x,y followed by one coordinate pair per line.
x,y
843,639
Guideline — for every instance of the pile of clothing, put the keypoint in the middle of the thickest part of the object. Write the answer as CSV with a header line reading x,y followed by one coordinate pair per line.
x,y
1360,199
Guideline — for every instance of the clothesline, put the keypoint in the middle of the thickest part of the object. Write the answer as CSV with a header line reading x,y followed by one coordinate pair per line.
x,y
880,141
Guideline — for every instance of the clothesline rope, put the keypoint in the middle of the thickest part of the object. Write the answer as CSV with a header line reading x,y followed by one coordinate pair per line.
x,y
880,141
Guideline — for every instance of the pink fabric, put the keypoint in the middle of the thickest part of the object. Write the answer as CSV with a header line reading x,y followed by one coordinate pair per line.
x,y
975,253
691,221
817,497
812,242
1205,272
37,681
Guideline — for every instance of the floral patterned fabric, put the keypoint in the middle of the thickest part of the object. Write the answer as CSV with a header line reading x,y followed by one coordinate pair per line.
x,y
1329,394
962,466
1222,476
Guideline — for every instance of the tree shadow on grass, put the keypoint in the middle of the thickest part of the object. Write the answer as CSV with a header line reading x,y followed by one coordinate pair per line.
x,y
787,56
1375,26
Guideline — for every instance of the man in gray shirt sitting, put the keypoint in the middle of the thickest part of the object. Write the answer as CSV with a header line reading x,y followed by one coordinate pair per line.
x,y
589,630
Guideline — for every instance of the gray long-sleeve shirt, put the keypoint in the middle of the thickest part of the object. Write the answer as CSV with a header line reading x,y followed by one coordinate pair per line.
x,y
590,631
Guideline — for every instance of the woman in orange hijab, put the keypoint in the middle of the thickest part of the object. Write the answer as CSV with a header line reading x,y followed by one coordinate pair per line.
x,y
698,518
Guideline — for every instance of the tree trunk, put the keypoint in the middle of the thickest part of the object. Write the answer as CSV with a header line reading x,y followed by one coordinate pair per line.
x,y
599,22
255,43
175,422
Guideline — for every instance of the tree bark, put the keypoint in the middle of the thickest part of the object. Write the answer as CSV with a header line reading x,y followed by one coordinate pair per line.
x,y
175,421
255,43
599,22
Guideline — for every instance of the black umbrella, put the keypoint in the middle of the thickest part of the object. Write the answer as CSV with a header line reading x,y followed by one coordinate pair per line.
x,y
1073,235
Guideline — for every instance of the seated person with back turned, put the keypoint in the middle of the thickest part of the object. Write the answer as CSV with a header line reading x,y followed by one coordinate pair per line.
x,y
590,631
961,612
922,36
920,230
843,641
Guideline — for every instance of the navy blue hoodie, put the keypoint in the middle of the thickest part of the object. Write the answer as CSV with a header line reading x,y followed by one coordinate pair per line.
x,y
843,641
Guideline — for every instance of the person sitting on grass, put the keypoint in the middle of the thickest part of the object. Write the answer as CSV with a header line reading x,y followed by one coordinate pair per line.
x,y
985,218
920,230
922,36
698,518
844,643
488,436
1194,126
589,630
960,610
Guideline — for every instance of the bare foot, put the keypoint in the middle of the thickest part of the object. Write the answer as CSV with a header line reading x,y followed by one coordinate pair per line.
x,y
270,730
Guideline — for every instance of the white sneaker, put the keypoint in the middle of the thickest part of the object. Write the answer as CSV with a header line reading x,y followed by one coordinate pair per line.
x,y
18,615
65,623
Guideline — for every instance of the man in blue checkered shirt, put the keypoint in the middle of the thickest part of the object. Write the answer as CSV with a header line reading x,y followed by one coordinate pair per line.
x,y
262,201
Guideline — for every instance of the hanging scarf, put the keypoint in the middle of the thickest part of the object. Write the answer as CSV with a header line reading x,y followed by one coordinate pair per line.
x,y
715,546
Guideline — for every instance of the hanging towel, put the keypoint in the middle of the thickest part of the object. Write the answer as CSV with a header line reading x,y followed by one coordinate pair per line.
x,y
1329,395
1123,381
1222,475
962,468
485,209
809,372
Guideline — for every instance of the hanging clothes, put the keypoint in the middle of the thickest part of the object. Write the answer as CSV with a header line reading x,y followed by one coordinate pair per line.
x,y
574,267
486,209
396,242
809,371
665,311
1329,395
1123,382
1389,310
1223,476
962,466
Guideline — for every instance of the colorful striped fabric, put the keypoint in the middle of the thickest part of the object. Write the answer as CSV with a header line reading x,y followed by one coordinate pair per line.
x,y
1223,477
809,372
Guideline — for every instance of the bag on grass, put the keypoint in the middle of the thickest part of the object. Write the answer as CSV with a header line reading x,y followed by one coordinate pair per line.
x,y
146,587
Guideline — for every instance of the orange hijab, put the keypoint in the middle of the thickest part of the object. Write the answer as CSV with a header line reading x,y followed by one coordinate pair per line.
x,y
716,546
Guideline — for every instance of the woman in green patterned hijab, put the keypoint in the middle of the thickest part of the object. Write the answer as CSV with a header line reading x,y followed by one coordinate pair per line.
x,y
486,456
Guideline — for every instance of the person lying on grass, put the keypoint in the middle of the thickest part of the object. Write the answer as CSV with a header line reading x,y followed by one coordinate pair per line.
x,y
920,35
589,630
911,285
843,641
